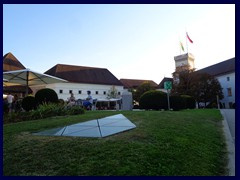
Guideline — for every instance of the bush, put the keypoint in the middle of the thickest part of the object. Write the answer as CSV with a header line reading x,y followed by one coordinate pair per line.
x,y
182,102
136,106
153,100
74,110
43,111
47,110
29,103
177,102
61,102
17,105
5,106
46,96
53,109
16,117
189,101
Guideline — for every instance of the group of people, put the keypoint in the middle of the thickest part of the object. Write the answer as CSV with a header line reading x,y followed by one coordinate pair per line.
x,y
87,103
12,102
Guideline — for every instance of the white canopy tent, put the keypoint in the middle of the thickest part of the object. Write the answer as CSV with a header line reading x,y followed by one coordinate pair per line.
x,y
28,78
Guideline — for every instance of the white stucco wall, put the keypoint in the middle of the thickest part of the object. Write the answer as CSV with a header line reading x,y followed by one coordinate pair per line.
x,y
225,83
76,87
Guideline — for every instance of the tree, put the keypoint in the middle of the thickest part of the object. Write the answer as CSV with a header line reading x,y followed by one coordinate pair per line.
x,y
112,93
184,79
144,87
206,88
201,86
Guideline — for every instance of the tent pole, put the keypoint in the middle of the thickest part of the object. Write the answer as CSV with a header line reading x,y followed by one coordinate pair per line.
x,y
27,83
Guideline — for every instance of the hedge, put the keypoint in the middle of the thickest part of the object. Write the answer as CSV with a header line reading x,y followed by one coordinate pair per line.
x,y
153,100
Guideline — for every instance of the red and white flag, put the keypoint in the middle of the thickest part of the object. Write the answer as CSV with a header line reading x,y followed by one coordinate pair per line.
x,y
189,38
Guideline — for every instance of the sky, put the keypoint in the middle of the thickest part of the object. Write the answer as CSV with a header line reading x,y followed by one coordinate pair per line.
x,y
133,41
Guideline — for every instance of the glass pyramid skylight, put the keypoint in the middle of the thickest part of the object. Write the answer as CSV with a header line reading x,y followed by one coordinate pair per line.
x,y
95,128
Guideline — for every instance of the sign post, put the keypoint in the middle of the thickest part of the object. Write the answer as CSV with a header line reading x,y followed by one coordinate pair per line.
x,y
167,86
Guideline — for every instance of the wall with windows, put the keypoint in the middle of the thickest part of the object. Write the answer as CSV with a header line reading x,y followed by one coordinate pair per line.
x,y
227,82
80,90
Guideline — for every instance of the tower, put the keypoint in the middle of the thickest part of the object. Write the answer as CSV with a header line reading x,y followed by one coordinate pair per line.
x,y
184,62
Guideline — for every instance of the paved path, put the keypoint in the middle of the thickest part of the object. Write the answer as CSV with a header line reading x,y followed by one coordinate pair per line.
x,y
229,131
230,118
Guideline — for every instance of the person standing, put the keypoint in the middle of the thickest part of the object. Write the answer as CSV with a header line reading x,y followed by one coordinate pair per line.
x,y
10,99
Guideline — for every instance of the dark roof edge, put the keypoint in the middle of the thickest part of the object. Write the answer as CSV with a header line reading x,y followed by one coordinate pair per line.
x,y
215,72
216,64
79,66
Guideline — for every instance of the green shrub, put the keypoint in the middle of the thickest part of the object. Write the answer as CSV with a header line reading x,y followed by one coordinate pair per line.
x,y
16,117
52,109
61,102
46,96
189,102
43,111
136,106
5,106
153,100
176,102
74,110
214,105
18,105
29,103
182,102
48,110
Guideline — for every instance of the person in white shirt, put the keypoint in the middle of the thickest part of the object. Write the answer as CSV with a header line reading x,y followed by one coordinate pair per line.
x,y
88,102
10,99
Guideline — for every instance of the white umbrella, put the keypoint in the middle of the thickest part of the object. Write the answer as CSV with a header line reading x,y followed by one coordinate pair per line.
x,y
5,80
28,78
6,83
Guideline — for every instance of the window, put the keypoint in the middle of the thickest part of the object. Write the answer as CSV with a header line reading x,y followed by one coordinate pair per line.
x,y
70,91
104,92
60,91
229,91
230,104
228,78
79,92
96,92
119,93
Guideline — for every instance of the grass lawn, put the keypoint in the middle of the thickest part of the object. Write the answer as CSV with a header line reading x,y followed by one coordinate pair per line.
x,y
165,143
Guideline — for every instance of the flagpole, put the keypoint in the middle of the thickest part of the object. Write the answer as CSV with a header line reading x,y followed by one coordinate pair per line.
x,y
180,49
186,41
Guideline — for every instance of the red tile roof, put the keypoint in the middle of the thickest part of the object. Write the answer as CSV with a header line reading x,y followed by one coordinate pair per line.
x,y
11,63
134,83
